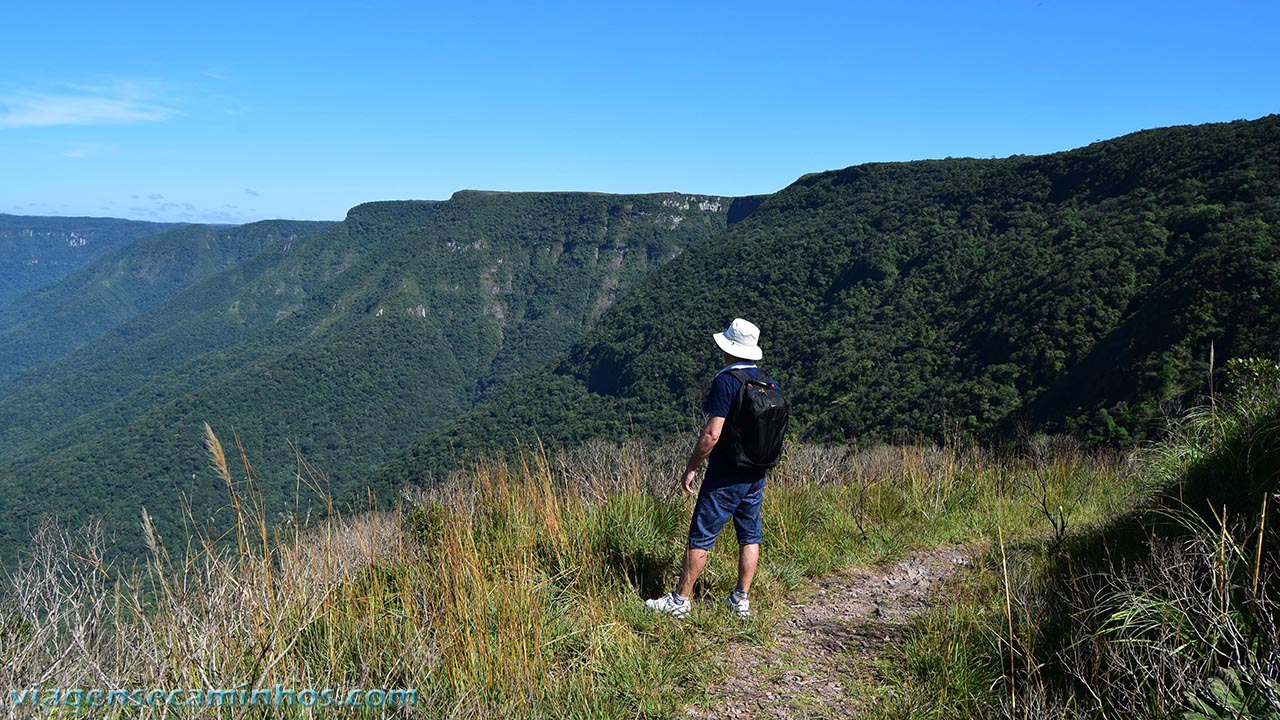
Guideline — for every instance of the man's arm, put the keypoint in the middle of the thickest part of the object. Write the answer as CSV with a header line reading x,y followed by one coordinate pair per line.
x,y
707,440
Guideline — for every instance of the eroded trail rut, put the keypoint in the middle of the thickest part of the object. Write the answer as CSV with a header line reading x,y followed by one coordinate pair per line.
x,y
837,626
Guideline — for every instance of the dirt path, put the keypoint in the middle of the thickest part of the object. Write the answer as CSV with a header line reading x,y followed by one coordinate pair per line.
x,y
837,627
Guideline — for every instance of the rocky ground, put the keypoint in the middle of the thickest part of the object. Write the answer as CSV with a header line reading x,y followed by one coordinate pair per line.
x,y
834,633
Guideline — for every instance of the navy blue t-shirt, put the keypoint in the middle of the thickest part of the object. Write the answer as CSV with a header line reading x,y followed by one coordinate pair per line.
x,y
721,468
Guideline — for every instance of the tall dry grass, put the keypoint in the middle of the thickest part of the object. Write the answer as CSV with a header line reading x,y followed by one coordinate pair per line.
x,y
512,590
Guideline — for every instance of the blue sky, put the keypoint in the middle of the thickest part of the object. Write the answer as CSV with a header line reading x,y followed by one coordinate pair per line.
x,y
231,112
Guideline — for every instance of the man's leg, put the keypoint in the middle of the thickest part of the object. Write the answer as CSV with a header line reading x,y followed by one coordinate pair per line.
x,y
746,521
748,559
694,561
710,513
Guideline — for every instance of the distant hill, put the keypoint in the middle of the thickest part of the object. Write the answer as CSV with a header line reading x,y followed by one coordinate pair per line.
x,y
346,345
122,283
36,251
1080,291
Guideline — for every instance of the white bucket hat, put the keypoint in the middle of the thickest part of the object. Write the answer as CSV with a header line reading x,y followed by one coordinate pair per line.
x,y
741,340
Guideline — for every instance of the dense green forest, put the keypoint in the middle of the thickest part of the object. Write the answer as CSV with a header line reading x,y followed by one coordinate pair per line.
x,y
121,284
344,346
36,251
1084,291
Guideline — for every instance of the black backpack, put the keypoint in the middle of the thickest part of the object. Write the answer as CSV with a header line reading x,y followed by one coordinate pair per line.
x,y
757,421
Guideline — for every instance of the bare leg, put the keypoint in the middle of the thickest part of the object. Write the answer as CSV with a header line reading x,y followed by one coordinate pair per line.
x,y
694,561
748,558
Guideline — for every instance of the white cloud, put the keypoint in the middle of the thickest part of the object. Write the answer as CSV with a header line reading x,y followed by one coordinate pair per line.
x,y
114,103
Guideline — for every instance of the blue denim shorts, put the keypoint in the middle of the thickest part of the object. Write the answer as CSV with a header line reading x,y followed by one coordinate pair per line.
x,y
716,505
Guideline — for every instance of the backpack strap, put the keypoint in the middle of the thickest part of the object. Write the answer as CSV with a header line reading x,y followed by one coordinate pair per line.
x,y
742,376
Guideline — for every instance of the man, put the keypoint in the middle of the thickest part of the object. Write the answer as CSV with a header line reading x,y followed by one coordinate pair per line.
x,y
728,489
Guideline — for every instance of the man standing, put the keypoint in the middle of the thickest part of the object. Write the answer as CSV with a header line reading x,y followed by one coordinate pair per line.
x,y
732,487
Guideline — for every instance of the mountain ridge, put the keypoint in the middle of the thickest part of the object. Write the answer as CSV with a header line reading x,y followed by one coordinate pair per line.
x,y
36,250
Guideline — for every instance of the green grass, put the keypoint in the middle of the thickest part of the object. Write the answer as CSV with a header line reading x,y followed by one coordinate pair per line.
x,y
1166,610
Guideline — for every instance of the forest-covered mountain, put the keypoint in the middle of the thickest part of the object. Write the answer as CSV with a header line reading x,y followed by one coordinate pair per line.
x,y
36,250
122,283
1080,291
346,345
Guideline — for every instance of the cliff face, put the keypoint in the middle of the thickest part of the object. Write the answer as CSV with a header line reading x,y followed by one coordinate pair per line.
x,y
37,251
344,345
122,283
1079,291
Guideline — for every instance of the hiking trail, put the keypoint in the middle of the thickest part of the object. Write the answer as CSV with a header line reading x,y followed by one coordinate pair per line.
x,y
836,628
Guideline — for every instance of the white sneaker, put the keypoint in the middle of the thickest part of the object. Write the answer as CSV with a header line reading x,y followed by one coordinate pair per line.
x,y
739,604
670,604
